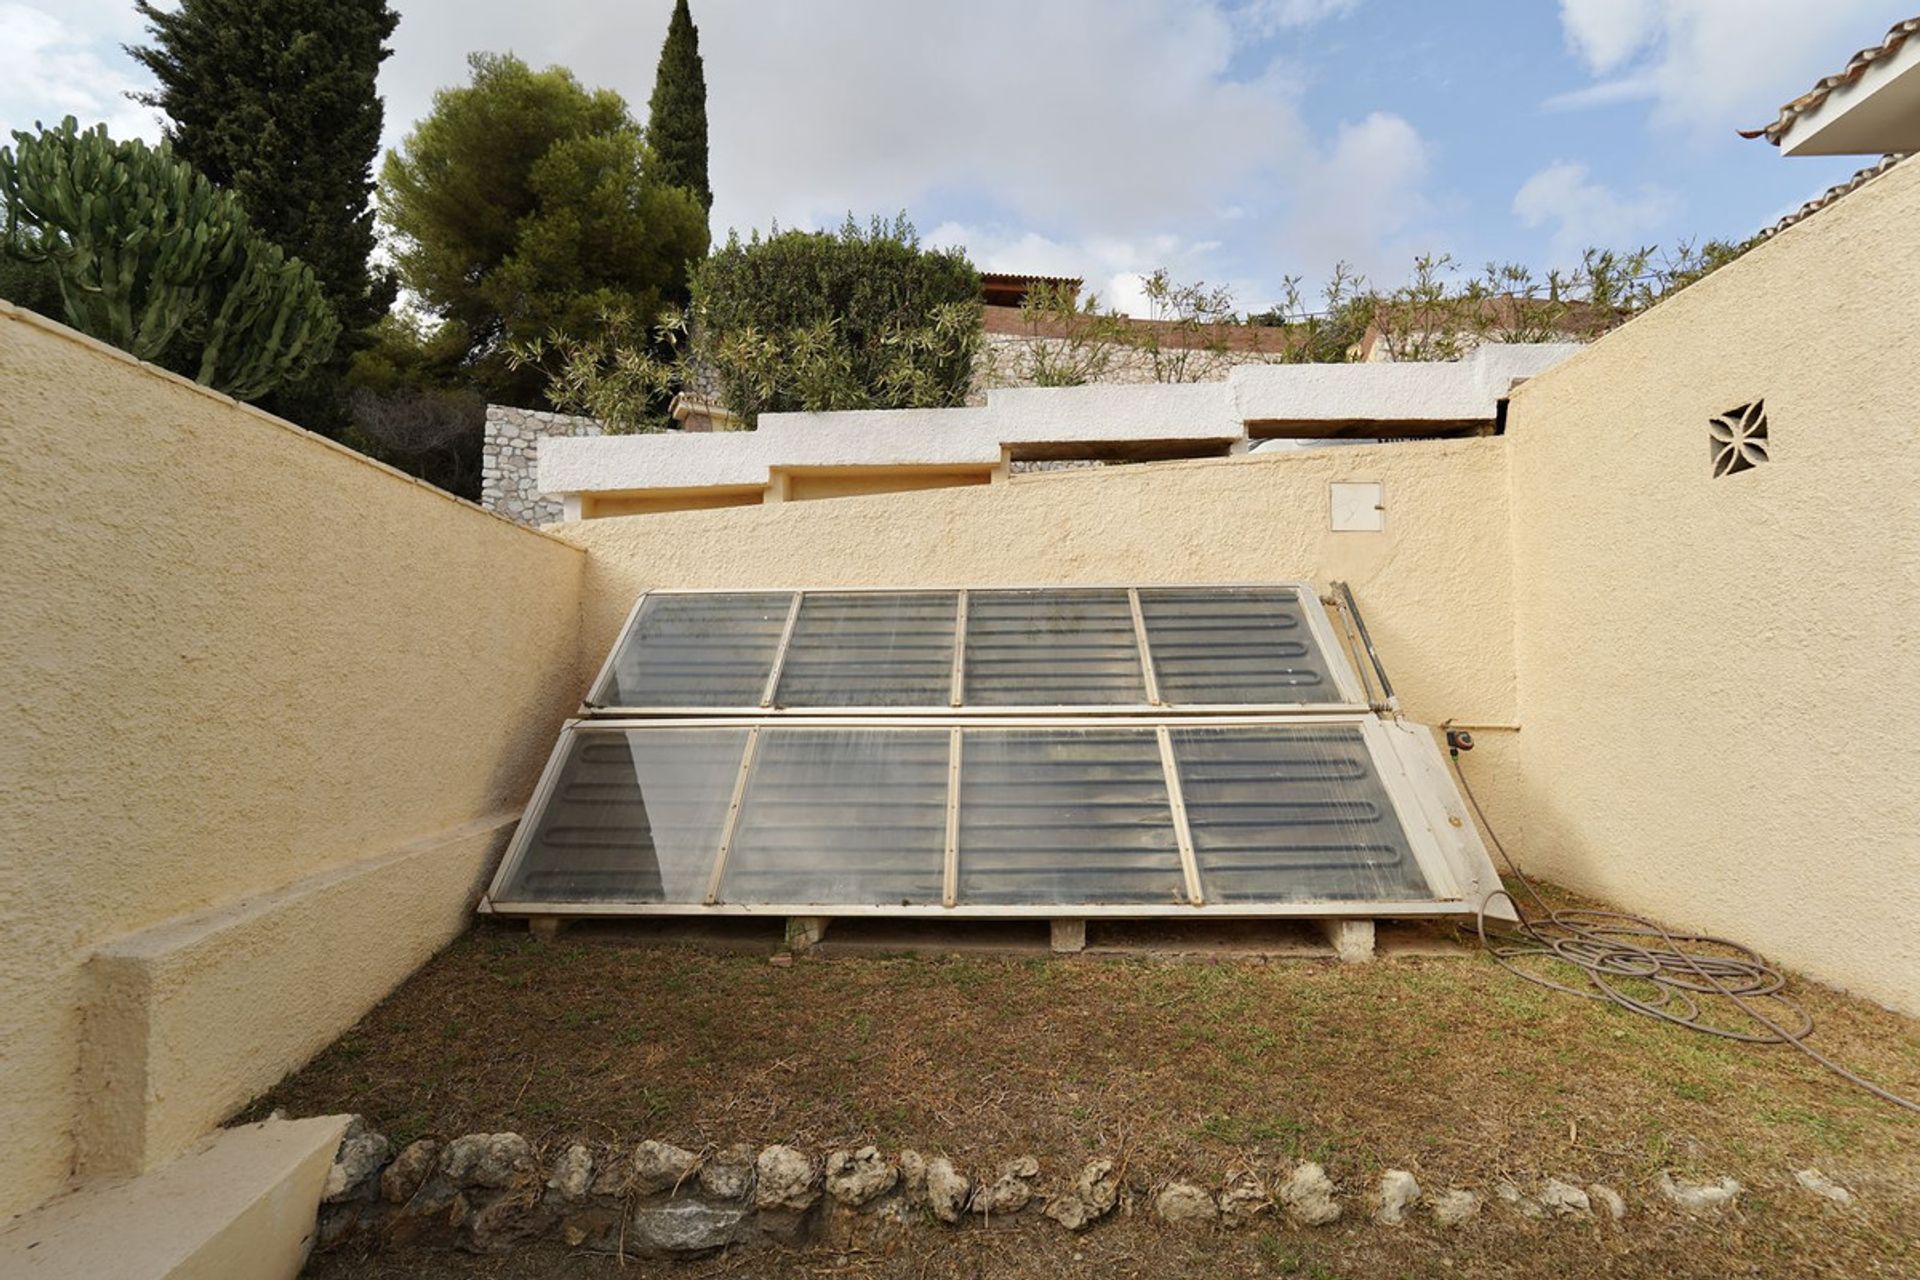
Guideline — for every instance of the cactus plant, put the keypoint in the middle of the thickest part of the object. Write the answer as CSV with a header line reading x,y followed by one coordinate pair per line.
x,y
158,261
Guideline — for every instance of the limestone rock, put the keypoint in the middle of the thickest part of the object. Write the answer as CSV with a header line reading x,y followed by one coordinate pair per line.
x,y
1011,1191
1099,1185
593,1226
1308,1197
660,1166
1698,1197
1453,1208
1244,1198
913,1177
1095,1192
401,1179
354,1164
1399,1191
507,1221
687,1226
855,1177
496,1160
728,1174
786,1179
1564,1200
1182,1202
572,1173
845,1229
1524,1205
1608,1199
947,1190
1821,1185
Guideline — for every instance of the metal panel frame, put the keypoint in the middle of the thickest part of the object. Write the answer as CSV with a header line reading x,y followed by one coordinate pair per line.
x,y
1326,636
1446,860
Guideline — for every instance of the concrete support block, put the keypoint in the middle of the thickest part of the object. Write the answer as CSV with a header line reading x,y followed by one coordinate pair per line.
x,y
1352,940
242,1202
1069,936
804,932
545,928
186,1022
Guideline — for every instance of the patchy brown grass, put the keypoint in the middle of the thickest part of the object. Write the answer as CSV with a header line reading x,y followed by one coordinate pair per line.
x,y
1449,1067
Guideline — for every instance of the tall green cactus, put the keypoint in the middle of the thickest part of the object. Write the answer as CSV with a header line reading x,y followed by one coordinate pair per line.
x,y
158,261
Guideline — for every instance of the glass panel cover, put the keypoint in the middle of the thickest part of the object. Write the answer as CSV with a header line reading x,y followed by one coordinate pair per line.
x,y
852,816
1066,816
871,649
1214,645
1290,814
634,816
697,651
1052,648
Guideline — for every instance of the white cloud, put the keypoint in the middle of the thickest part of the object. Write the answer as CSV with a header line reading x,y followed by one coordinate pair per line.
x,y
1586,213
1362,201
1126,114
1095,137
1267,17
1102,137
1712,65
1605,33
1113,269
50,69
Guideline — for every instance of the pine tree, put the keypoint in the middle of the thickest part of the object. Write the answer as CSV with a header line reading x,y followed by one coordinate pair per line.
x,y
275,100
677,115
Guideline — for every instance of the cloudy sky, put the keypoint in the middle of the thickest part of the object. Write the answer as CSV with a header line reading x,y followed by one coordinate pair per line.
x,y
1239,141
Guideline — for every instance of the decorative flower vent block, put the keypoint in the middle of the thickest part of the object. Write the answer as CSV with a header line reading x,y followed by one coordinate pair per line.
x,y
1739,438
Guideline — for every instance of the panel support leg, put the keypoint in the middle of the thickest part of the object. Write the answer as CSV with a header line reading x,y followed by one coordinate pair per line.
x,y
1069,936
1352,939
544,928
805,932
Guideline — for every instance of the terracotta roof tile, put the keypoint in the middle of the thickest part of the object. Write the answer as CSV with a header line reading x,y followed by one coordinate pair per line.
x,y
1832,194
1897,35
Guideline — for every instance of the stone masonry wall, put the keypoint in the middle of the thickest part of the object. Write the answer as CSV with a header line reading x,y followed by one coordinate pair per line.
x,y
509,476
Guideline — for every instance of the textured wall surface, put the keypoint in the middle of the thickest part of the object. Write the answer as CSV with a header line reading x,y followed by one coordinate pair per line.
x,y
510,456
1720,678
1433,586
231,655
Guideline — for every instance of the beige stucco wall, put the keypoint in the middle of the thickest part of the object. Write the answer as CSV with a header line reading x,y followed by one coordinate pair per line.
x,y
1434,585
1720,679
231,655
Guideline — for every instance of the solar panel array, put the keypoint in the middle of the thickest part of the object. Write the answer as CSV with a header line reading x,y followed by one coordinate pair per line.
x,y
1148,749
1057,647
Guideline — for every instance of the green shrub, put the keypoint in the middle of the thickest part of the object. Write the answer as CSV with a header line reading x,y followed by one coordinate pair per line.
x,y
156,260
854,319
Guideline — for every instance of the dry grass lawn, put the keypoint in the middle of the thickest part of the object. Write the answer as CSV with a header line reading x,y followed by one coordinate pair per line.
x,y
1449,1067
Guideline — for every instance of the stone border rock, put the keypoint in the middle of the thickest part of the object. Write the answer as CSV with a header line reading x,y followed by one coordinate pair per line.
x,y
487,1192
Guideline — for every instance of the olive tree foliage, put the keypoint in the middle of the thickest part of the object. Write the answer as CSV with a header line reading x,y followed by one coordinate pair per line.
x,y
861,318
1191,333
524,206
1065,341
152,258
1439,313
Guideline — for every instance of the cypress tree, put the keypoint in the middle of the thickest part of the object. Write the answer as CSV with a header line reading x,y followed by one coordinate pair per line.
x,y
275,100
677,114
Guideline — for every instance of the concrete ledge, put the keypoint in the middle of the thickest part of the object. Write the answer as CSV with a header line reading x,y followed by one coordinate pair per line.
x,y
241,1205
1039,422
188,1021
